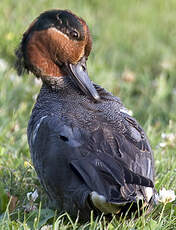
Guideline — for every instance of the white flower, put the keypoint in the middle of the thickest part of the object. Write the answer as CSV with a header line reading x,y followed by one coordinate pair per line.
x,y
32,196
168,136
166,196
163,135
162,144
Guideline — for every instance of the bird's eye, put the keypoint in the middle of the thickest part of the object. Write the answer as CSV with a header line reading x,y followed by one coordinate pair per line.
x,y
74,34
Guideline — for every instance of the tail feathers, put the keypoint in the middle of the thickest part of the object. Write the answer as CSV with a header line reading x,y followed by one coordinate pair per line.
x,y
108,178
133,178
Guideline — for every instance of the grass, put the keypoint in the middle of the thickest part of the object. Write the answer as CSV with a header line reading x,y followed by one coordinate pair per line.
x,y
134,56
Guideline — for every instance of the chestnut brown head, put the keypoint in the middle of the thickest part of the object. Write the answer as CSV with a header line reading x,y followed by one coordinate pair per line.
x,y
57,43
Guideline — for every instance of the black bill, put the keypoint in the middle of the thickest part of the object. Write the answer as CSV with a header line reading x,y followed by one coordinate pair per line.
x,y
80,77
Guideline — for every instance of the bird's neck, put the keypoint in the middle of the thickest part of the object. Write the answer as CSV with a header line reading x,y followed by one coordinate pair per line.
x,y
57,83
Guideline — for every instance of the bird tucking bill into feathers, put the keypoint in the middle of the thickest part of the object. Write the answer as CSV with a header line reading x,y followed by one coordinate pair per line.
x,y
89,154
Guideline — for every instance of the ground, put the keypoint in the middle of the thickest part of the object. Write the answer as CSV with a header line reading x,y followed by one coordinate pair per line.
x,y
134,57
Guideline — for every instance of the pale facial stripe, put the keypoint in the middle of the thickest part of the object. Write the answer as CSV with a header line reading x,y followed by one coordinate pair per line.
x,y
60,32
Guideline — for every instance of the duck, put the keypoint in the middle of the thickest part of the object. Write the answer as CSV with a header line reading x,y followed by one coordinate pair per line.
x,y
88,152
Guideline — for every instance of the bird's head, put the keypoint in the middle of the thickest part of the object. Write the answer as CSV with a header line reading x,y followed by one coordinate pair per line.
x,y
56,44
